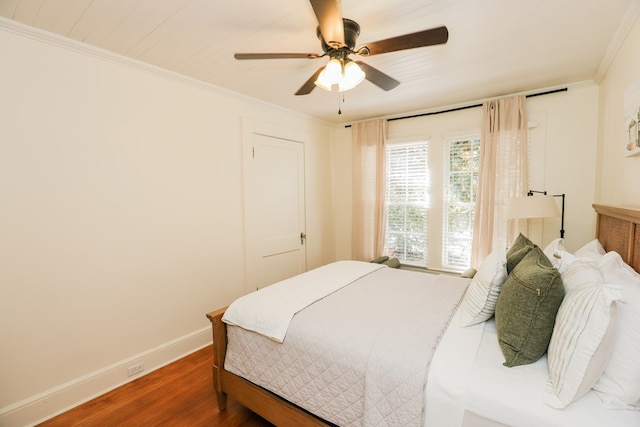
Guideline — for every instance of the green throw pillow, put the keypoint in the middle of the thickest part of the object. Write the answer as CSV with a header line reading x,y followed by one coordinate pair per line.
x,y
520,248
526,309
392,262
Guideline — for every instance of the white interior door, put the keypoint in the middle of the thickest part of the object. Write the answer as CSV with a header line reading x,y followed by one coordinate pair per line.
x,y
274,206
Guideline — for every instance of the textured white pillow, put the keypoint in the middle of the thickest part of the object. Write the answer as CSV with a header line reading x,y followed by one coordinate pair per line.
x,y
583,335
580,273
619,385
479,301
592,250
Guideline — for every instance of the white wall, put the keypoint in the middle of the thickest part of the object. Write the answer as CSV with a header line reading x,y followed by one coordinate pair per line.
x,y
341,181
563,147
618,176
120,218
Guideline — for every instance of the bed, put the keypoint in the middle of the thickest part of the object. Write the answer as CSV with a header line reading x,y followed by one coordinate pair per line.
x,y
462,380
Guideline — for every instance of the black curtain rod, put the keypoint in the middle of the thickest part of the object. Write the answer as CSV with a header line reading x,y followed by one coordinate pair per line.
x,y
564,89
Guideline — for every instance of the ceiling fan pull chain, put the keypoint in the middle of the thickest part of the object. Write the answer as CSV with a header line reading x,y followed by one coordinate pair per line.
x,y
339,110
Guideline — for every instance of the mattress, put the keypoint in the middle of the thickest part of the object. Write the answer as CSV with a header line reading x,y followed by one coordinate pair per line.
x,y
359,356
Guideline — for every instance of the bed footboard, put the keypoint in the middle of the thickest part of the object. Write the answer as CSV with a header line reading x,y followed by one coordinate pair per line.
x,y
264,403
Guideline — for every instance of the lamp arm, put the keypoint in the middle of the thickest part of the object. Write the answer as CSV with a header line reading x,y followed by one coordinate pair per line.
x,y
530,193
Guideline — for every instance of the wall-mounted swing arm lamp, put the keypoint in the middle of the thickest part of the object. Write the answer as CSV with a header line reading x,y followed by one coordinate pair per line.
x,y
536,207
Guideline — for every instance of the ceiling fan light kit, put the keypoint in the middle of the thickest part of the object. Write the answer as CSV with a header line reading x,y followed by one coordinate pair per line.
x,y
338,37
345,74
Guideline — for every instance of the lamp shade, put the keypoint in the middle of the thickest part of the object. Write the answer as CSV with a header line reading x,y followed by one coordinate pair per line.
x,y
532,207
353,76
323,82
333,71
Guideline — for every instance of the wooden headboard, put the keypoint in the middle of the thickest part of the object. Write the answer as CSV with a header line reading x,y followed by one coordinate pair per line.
x,y
618,229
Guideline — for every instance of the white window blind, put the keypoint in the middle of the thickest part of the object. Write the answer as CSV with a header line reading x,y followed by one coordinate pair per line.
x,y
407,200
464,160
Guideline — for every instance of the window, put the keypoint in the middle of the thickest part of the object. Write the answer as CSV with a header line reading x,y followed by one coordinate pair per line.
x,y
406,202
464,160
431,226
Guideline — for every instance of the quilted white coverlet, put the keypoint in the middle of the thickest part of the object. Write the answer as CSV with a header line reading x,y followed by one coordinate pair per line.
x,y
360,356
269,310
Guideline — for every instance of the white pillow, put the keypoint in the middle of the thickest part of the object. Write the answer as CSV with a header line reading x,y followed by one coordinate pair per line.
x,y
613,266
580,273
554,250
592,250
619,385
479,301
559,257
583,334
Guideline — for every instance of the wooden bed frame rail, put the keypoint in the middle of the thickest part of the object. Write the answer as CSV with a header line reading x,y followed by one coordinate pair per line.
x,y
269,406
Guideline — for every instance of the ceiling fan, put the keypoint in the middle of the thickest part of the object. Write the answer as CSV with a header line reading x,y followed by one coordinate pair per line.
x,y
338,39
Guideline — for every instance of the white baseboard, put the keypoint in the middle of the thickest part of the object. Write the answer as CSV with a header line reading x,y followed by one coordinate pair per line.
x,y
50,403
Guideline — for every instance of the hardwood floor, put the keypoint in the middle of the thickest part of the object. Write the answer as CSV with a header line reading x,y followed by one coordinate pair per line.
x,y
179,394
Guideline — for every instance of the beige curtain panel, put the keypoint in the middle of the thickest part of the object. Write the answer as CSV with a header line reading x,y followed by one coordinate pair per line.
x,y
368,141
503,174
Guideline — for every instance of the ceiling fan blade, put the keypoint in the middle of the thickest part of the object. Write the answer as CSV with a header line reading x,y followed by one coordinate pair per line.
x,y
329,15
377,77
276,55
309,85
431,37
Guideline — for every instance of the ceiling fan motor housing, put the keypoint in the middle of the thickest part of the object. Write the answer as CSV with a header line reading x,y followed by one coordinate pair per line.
x,y
351,33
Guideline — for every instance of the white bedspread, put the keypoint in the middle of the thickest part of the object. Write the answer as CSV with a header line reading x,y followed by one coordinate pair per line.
x,y
269,310
360,356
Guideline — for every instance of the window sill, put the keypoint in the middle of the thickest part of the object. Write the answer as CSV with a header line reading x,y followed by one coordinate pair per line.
x,y
429,270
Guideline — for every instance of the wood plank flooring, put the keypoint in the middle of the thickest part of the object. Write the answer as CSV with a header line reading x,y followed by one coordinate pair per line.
x,y
179,394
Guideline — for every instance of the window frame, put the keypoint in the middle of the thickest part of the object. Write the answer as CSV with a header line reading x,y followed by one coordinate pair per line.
x,y
390,145
438,192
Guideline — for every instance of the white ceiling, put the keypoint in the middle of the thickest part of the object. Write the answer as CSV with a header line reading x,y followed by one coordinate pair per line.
x,y
495,47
